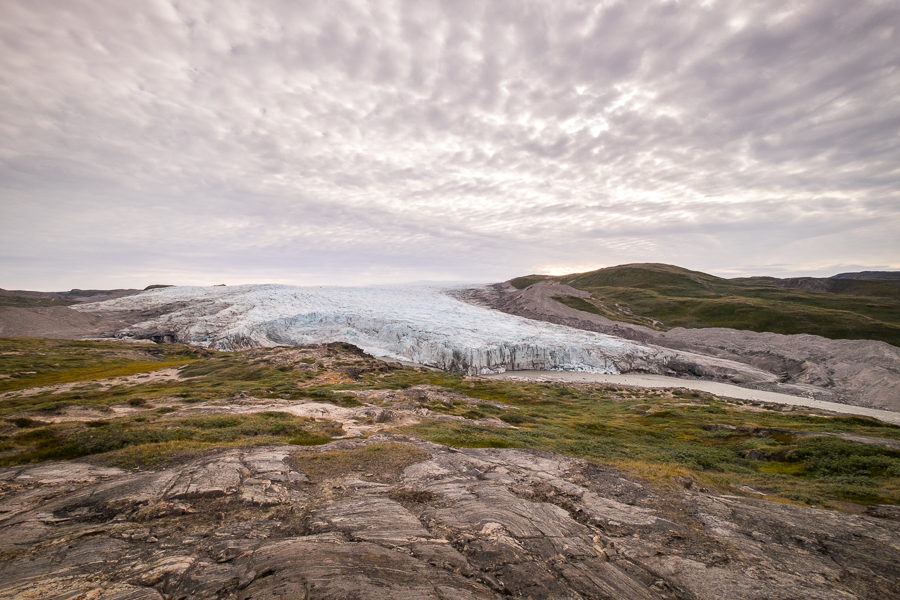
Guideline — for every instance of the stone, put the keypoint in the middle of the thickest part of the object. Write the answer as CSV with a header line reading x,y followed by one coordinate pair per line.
x,y
243,523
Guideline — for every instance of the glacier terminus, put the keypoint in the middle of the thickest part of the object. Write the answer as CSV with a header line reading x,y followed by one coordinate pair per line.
x,y
424,325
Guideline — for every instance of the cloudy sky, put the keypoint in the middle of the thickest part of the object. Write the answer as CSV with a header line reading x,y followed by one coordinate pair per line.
x,y
191,141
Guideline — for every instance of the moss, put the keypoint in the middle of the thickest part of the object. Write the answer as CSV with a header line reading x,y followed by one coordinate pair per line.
x,y
380,461
74,440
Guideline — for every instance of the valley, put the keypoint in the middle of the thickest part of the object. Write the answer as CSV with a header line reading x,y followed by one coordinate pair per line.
x,y
426,442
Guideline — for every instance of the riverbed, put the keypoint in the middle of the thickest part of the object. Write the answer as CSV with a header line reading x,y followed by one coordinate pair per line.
x,y
713,387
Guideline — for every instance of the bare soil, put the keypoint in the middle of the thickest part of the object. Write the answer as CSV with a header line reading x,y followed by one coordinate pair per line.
x,y
722,390
97,384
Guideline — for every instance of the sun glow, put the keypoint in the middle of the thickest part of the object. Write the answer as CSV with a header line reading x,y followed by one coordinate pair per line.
x,y
556,270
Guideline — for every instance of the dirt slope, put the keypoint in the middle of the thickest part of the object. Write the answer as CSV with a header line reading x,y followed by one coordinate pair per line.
x,y
54,322
47,314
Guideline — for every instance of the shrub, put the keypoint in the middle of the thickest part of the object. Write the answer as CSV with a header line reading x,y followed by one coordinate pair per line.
x,y
832,457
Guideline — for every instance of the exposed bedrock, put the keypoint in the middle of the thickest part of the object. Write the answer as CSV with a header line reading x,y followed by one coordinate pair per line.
x,y
421,521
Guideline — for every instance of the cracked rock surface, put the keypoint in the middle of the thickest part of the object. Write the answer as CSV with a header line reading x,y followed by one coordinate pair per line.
x,y
394,518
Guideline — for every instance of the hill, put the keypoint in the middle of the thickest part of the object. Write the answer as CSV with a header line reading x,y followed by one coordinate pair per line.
x,y
868,275
29,299
847,306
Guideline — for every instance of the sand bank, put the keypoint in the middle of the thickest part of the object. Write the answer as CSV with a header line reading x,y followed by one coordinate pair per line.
x,y
713,387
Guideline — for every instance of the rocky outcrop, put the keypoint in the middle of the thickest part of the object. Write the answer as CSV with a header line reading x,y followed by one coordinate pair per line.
x,y
393,518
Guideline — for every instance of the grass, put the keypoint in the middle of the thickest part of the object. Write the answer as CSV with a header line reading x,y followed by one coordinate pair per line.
x,y
665,296
206,375
655,434
153,433
77,439
578,304
121,369
660,434
523,282
30,362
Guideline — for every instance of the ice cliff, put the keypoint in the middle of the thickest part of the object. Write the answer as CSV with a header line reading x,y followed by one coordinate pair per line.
x,y
423,325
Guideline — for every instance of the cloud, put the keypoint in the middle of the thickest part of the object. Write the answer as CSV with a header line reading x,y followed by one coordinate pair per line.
x,y
350,142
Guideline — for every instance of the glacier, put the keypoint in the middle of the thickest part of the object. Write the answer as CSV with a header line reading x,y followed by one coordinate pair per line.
x,y
419,324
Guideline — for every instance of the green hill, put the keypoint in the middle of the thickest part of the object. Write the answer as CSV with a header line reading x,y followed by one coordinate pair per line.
x,y
665,296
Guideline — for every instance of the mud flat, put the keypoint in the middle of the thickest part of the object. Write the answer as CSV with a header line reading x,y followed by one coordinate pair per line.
x,y
713,387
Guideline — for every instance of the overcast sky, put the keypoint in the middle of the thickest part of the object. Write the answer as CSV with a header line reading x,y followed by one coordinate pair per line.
x,y
358,142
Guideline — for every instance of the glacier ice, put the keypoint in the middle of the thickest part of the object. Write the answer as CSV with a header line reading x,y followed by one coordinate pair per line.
x,y
423,325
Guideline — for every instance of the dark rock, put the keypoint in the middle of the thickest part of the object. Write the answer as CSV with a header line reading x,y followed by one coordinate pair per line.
x,y
754,455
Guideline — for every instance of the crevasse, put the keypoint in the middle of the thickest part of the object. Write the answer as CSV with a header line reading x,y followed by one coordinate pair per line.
x,y
423,325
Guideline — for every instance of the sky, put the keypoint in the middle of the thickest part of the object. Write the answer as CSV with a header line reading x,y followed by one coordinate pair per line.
x,y
352,143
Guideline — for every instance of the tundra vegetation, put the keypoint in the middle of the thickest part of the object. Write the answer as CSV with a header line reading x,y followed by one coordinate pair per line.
x,y
861,306
63,399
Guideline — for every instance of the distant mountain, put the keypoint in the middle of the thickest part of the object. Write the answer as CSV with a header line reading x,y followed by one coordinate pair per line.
x,y
847,306
868,275
864,283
